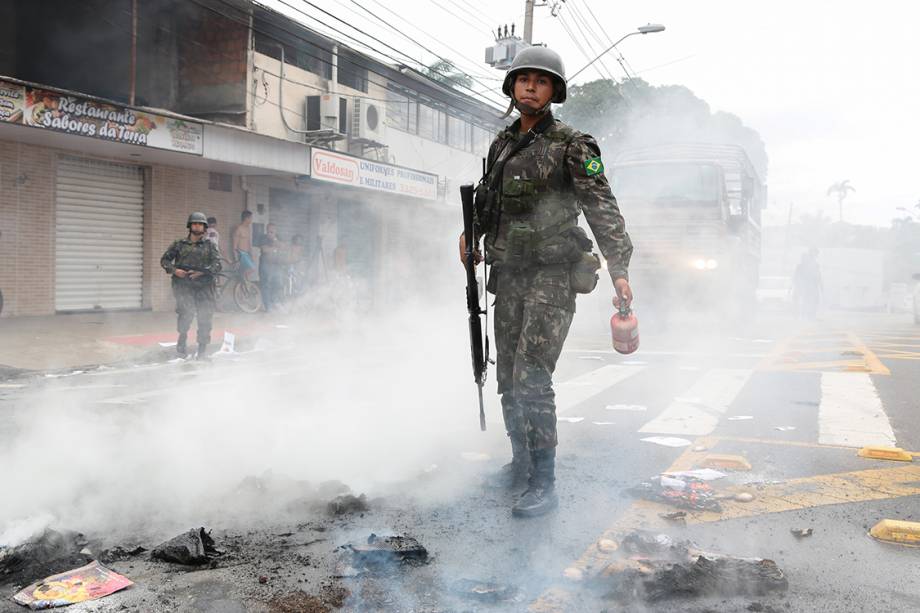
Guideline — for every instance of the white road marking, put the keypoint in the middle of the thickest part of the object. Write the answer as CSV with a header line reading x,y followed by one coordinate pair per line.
x,y
698,412
851,413
575,391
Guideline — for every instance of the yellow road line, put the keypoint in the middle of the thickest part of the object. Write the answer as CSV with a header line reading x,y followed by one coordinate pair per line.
x,y
872,362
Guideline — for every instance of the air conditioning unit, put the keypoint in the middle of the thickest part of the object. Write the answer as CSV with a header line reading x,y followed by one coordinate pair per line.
x,y
325,112
368,120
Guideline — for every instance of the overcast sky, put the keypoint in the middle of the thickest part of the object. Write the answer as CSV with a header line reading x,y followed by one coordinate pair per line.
x,y
832,87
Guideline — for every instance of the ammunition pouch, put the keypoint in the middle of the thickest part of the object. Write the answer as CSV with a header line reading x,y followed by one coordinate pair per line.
x,y
492,282
518,195
519,247
583,275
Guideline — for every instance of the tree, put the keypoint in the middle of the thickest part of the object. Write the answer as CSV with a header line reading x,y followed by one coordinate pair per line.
x,y
444,71
637,114
841,189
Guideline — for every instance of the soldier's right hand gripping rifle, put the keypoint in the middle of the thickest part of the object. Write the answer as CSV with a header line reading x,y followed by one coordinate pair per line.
x,y
479,342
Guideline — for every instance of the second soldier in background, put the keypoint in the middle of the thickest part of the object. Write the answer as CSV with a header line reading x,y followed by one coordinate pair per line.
x,y
541,174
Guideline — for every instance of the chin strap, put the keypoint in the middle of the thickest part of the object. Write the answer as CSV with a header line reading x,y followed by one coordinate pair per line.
x,y
525,110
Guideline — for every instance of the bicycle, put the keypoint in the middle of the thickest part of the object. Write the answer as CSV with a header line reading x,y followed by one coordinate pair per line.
x,y
246,294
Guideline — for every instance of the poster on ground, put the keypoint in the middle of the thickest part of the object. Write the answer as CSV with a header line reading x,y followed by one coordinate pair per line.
x,y
79,585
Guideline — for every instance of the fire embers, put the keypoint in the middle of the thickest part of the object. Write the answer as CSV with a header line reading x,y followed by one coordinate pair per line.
x,y
653,567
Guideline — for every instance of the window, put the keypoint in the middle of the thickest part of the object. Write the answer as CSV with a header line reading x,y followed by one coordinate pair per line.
x,y
458,133
220,182
482,138
302,48
427,122
352,73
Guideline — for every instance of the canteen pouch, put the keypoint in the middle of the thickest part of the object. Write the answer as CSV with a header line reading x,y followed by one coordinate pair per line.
x,y
583,275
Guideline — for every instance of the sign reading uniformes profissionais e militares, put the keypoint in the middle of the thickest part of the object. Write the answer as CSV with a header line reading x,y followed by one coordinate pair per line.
x,y
71,114
336,167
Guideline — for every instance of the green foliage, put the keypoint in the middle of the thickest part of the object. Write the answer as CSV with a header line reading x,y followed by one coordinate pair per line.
x,y
444,71
635,113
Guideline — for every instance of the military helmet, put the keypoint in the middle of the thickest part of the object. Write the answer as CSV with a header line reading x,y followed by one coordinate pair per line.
x,y
197,217
538,58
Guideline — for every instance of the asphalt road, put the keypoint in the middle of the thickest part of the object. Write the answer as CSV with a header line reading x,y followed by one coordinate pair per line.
x,y
794,400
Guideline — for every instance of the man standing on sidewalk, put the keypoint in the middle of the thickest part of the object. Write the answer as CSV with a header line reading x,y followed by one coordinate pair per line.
x,y
193,263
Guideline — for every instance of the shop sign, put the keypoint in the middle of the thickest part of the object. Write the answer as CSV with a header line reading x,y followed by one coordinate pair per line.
x,y
51,110
357,172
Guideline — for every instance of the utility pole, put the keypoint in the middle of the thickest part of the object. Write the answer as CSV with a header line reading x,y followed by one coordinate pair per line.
x,y
528,21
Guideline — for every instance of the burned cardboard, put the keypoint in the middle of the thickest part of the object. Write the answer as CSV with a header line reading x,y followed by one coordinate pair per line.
x,y
46,554
653,567
192,548
383,550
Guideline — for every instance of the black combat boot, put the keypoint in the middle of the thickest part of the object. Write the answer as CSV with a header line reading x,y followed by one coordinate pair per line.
x,y
515,473
182,345
202,351
540,497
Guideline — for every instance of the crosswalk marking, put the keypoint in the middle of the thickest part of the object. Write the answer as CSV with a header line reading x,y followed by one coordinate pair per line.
x,y
851,413
697,412
575,391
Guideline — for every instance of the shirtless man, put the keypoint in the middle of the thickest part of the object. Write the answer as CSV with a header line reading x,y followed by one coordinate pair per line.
x,y
242,245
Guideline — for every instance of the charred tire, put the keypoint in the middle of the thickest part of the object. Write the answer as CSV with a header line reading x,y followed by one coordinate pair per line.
x,y
247,296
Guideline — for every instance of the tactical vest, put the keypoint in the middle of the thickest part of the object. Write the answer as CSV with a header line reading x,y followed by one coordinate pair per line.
x,y
533,213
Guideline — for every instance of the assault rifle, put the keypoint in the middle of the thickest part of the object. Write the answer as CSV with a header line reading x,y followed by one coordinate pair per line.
x,y
479,343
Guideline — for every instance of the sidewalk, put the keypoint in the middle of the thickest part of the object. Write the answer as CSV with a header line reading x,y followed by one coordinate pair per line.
x,y
68,341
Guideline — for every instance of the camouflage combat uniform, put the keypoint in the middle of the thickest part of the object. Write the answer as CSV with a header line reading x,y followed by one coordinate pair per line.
x,y
193,296
538,195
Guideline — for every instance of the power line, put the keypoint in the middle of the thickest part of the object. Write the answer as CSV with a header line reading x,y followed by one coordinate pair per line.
x,y
620,59
447,10
394,28
576,17
588,57
314,44
471,62
472,14
325,12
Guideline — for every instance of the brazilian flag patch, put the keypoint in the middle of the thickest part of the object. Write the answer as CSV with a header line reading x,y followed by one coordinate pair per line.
x,y
594,166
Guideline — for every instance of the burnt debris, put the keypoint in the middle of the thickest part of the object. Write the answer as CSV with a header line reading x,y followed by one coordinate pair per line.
x,y
49,553
192,548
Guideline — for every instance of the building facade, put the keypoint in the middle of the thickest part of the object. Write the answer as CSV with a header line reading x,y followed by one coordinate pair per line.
x,y
132,115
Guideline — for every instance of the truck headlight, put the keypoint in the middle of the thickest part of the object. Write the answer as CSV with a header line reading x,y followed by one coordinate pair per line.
x,y
699,264
711,264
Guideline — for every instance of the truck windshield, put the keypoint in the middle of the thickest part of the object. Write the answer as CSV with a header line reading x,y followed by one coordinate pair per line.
x,y
667,183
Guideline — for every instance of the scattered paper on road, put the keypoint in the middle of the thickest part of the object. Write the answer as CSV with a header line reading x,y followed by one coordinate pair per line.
x,y
784,428
229,342
604,423
570,420
282,326
79,585
667,441
172,344
626,407
591,357
703,474
740,417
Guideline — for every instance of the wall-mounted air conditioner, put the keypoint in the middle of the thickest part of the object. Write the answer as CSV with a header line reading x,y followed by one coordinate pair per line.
x,y
368,120
327,112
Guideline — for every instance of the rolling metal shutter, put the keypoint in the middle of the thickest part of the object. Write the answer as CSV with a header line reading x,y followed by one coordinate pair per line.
x,y
99,246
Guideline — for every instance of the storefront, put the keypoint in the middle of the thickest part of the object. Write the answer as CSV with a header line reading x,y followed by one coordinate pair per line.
x,y
94,192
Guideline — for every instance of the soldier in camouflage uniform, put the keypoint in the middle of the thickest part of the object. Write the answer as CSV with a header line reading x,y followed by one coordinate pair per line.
x,y
193,263
541,175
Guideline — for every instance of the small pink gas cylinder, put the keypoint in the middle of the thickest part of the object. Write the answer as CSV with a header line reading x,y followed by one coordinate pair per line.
x,y
624,327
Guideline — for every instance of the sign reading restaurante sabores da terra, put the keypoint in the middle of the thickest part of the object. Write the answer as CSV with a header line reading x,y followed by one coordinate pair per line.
x,y
51,110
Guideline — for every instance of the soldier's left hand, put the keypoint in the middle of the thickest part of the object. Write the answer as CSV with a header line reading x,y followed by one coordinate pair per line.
x,y
624,293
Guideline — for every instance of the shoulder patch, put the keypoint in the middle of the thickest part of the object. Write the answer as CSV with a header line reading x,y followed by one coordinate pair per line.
x,y
594,166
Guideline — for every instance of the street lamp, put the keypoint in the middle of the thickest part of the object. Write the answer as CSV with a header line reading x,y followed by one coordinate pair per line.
x,y
650,28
